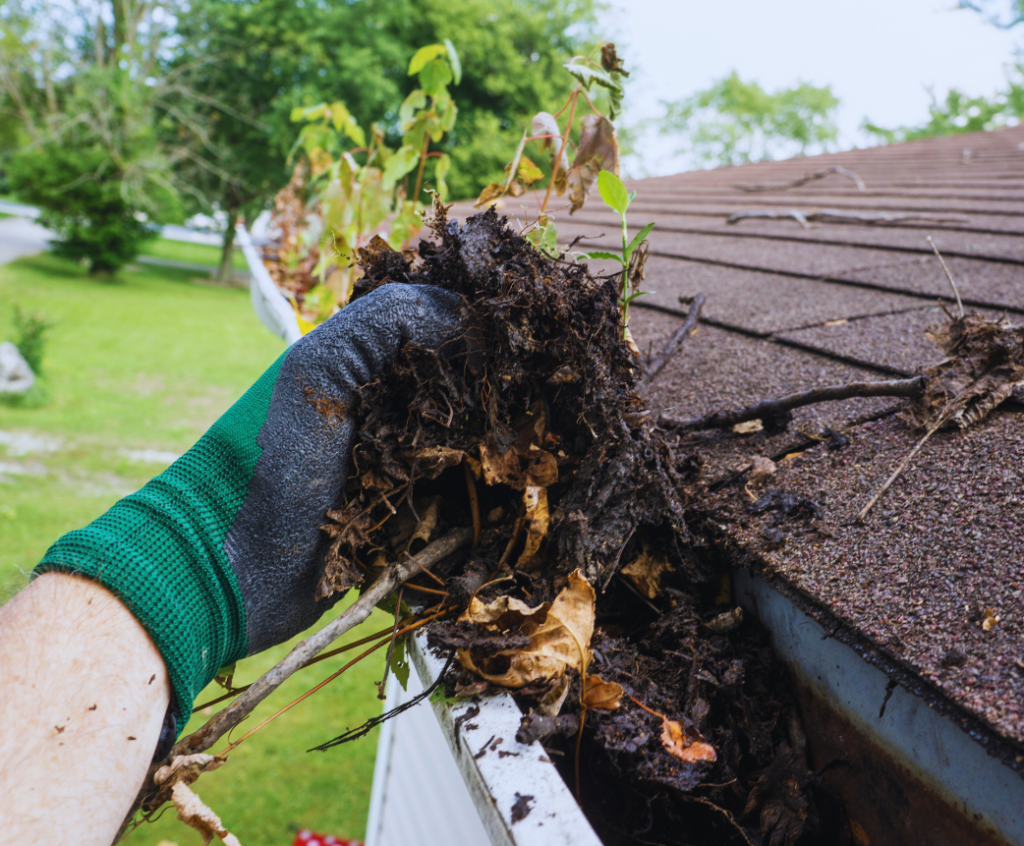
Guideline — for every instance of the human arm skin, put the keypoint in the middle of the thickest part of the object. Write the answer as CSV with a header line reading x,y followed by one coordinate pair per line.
x,y
83,693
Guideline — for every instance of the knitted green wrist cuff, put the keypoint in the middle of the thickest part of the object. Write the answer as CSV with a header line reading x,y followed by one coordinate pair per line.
x,y
161,550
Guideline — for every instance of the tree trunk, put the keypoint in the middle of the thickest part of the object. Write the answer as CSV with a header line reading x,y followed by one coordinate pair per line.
x,y
226,271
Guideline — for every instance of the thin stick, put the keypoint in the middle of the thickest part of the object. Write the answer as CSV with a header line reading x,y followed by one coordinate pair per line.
x,y
474,504
561,150
396,574
775,407
323,657
655,365
949,275
810,177
305,695
902,466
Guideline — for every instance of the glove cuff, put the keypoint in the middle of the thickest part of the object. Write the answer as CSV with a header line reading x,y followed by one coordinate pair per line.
x,y
161,550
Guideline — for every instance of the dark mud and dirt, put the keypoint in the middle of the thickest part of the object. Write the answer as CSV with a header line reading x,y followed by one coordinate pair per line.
x,y
532,427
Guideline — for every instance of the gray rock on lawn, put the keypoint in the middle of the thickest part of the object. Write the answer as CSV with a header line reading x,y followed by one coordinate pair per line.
x,y
16,377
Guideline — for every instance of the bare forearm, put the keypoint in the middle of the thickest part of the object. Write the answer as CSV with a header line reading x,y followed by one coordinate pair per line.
x,y
83,693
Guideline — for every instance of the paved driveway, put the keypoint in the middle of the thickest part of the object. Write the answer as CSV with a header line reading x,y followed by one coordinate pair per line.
x,y
21,237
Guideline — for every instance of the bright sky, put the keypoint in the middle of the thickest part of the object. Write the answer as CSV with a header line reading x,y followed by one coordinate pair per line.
x,y
879,56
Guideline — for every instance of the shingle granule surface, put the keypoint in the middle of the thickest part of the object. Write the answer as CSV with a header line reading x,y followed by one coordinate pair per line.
x,y
941,547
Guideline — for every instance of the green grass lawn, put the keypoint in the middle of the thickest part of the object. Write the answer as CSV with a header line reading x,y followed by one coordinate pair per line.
x,y
148,362
192,253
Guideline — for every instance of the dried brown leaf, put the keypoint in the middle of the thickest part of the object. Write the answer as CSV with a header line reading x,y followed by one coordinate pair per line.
x,y
748,427
646,571
559,635
535,501
550,704
984,364
601,694
490,194
598,150
761,470
195,813
686,743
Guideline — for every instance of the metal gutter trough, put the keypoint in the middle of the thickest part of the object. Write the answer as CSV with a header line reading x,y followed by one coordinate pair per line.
x,y
268,302
912,775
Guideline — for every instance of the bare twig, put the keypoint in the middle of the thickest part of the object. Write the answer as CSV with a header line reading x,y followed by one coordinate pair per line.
x,y
949,275
805,217
775,407
395,575
902,466
654,365
810,177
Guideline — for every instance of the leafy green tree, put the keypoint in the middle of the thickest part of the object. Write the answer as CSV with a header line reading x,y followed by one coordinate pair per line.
x,y
734,122
87,87
958,113
265,59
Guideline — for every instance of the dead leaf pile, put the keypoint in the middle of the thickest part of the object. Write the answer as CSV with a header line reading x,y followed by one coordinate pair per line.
x,y
559,635
983,367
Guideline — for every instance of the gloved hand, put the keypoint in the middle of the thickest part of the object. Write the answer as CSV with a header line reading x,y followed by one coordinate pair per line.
x,y
219,556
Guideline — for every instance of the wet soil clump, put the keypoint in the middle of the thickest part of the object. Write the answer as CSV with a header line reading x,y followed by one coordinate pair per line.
x,y
531,427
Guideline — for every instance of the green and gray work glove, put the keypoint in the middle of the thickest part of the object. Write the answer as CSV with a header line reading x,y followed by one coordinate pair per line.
x,y
220,555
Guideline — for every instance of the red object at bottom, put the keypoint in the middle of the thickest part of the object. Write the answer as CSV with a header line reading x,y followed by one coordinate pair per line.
x,y
312,838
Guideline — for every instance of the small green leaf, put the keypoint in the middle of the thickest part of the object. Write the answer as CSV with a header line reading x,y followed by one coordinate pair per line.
x,y
434,77
424,55
339,115
407,111
613,192
632,297
602,255
444,164
587,75
298,113
453,59
638,240
632,195
399,662
528,171
403,161
354,131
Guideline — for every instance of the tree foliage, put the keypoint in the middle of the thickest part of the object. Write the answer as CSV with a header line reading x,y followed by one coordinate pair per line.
x,y
733,122
276,55
959,113
84,90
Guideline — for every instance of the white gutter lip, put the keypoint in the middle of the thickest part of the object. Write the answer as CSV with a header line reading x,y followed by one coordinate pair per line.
x,y
269,303
497,768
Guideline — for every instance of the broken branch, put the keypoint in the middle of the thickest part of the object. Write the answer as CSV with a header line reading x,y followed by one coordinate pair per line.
x,y
769,408
656,364
811,177
395,575
806,217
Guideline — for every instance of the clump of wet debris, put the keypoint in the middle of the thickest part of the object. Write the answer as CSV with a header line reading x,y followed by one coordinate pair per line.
x,y
587,591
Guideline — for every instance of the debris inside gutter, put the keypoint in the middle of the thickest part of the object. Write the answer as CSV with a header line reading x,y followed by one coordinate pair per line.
x,y
590,592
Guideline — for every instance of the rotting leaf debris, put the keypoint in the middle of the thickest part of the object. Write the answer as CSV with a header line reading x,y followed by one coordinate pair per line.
x,y
543,402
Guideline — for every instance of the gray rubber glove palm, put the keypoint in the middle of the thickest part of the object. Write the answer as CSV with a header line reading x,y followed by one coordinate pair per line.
x,y
220,556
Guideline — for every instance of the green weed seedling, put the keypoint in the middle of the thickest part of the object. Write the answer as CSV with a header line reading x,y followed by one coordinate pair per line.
x,y
615,196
